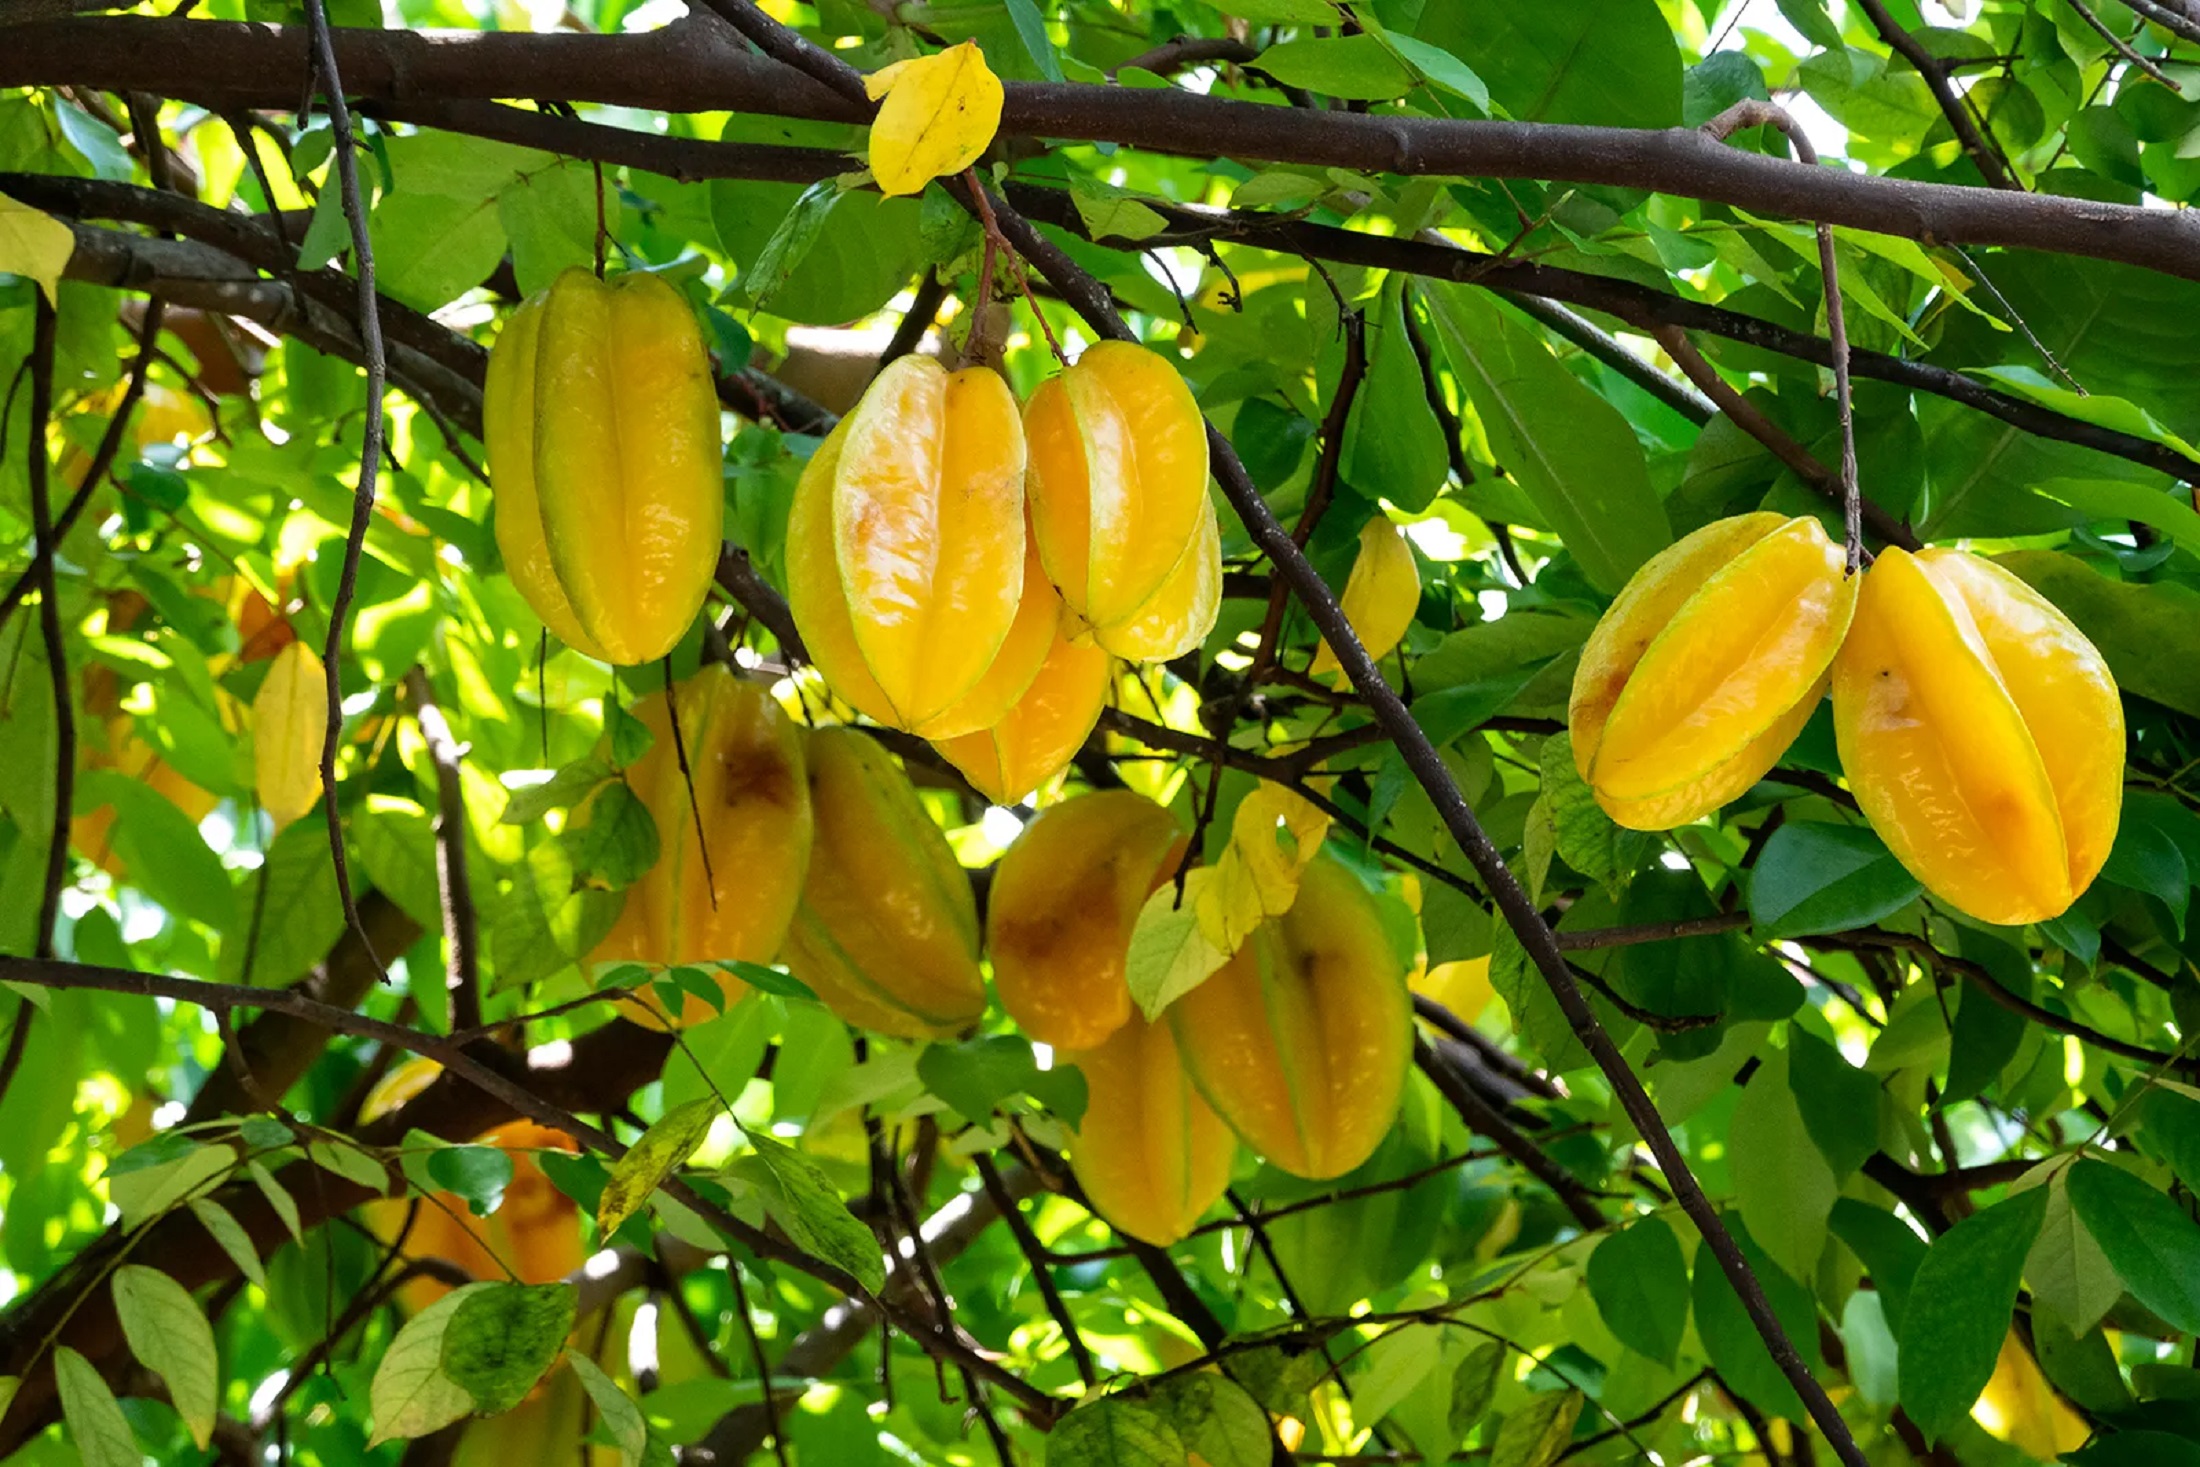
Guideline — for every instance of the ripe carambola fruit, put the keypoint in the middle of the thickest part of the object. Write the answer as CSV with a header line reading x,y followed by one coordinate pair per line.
x,y
535,1232
1150,1153
887,932
1708,664
602,429
1032,739
753,794
905,545
1119,504
1065,899
1982,734
1302,1039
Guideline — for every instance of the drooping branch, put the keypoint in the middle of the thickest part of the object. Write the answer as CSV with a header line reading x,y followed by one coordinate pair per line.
x,y
696,66
1981,150
37,452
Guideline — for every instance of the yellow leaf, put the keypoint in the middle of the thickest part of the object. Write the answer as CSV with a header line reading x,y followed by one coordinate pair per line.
x,y
1380,596
289,721
38,245
1272,838
940,113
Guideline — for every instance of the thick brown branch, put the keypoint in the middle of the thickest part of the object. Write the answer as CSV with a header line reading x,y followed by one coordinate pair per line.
x,y
691,67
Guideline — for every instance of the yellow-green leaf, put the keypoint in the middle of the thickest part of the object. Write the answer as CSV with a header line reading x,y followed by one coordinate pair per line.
x,y
34,244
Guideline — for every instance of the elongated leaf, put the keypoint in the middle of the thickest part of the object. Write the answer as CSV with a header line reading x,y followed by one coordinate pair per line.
x,y
502,1340
1573,455
169,1334
620,1414
1782,1182
810,1209
103,1436
2153,1246
1814,878
663,1149
1959,1307
410,1395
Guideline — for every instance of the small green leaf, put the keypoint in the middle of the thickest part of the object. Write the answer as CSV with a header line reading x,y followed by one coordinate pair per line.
x,y
235,1241
477,1174
1170,954
630,737
1782,1182
2068,1271
791,241
1639,1281
1109,212
1358,68
768,980
663,1149
568,787
1474,1386
503,1340
614,839
976,1075
1958,1311
169,1335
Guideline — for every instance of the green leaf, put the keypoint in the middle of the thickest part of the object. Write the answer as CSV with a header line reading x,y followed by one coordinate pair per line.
x,y
549,214
1639,1281
1281,12
1612,64
1439,67
1397,1363
504,1338
568,787
410,1395
170,1336
429,249
395,842
2153,1246
477,1175
162,852
1114,1432
235,1241
1474,1386
1813,878
1573,455
976,1075
2066,1268
1958,1311
662,1150
2150,634
1356,68
809,1207
1534,1434
1782,1182
1393,446
616,842
767,980
1732,1341
1587,838
1111,212
103,1436
143,1193
301,915
2121,499
2137,1449
1214,1417
1031,29
620,1414
791,241
1839,1102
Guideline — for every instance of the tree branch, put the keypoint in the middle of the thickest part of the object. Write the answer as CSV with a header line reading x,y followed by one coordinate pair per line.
x,y
43,331
461,925
691,67
1991,166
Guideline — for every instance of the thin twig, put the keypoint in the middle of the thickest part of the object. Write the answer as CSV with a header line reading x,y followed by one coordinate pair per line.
x,y
763,1363
1090,299
1991,165
461,925
370,451
2123,47
1035,1255
49,620
1753,113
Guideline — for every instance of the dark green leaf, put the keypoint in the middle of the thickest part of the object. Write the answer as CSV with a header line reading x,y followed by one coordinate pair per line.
x,y
2150,634
614,839
808,1206
1612,64
1639,1281
1114,1432
978,1074
1212,1415
504,1338
1839,1102
1814,878
2153,1245
477,1174
1732,1341
1958,1311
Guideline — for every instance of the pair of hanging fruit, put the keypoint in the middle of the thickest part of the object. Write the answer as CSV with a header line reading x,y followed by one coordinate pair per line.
x,y
1298,1044
965,572
601,424
806,848
1980,731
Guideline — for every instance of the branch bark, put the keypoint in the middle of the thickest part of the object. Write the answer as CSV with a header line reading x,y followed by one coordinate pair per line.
x,y
695,66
